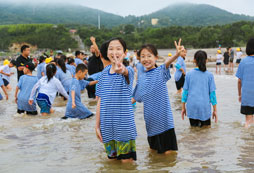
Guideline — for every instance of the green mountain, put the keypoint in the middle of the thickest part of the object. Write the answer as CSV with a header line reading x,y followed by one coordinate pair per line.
x,y
179,14
193,15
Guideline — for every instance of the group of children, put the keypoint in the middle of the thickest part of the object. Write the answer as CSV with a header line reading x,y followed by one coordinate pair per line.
x,y
115,125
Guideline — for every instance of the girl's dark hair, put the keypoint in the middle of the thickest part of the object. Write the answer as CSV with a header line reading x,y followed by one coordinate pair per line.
x,y
71,60
61,63
51,71
151,48
201,57
250,47
104,51
63,57
122,42
41,59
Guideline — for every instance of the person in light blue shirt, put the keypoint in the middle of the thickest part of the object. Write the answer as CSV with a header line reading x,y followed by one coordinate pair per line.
x,y
199,93
245,75
79,58
75,108
41,67
180,71
63,75
25,85
151,89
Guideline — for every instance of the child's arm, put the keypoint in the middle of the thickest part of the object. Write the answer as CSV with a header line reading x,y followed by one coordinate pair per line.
x,y
61,89
16,94
6,74
97,125
215,116
179,49
73,99
240,90
97,51
33,93
5,92
93,82
213,100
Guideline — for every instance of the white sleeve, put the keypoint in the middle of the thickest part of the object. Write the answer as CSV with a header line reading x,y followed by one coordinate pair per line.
x,y
61,89
34,90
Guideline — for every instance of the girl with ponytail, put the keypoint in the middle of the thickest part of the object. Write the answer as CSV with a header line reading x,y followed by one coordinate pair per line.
x,y
199,93
47,87
63,74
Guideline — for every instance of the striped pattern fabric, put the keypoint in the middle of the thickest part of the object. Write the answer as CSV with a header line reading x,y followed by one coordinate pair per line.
x,y
116,111
151,89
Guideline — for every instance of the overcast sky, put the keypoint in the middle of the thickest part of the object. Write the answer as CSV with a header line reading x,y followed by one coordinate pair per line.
x,y
141,7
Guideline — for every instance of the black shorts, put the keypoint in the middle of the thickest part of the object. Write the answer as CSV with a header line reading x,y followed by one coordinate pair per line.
x,y
247,110
163,142
238,61
199,123
218,63
6,82
180,83
27,112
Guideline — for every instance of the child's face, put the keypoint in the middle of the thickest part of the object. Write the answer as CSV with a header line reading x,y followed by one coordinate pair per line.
x,y
184,53
116,51
81,75
26,70
147,59
11,65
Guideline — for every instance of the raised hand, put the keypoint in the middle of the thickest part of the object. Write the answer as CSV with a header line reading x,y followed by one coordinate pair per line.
x,y
178,46
92,39
119,67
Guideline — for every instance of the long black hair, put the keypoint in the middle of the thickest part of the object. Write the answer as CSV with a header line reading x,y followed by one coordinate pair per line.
x,y
51,71
201,57
42,59
61,63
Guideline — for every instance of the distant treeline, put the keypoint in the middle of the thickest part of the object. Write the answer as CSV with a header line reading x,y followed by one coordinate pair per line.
x,y
58,37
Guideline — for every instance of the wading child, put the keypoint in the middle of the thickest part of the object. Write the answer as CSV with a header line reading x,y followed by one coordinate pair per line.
x,y
151,89
115,125
75,108
41,67
6,73
219,59
47,87
199,93
3,88
25,85
180,71
245,75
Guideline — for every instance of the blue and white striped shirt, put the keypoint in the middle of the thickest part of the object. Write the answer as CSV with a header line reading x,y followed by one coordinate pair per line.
x,y
116,112
152,89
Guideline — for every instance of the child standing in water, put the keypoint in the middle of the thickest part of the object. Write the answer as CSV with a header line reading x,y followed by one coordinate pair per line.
x,y
219,59
6,73
25,85
245,75
115,125
152,89
41,67
180,71
47,87
3,88
75,108
199,93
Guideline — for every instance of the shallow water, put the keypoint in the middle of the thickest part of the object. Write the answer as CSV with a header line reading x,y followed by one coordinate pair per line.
x,y
48,144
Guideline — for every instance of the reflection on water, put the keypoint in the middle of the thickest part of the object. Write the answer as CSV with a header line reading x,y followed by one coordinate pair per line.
x,y
49,144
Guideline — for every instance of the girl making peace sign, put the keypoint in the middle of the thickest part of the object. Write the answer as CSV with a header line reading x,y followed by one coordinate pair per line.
x,y
152,89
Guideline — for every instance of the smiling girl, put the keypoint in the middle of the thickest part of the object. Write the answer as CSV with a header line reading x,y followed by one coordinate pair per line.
x,y
115,125
152,89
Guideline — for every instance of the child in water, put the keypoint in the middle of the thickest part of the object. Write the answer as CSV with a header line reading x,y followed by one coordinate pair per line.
x,y
245,75
6,73
199,93
75,108
3,88
219,59
151,89
115,125
47,87
25,85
